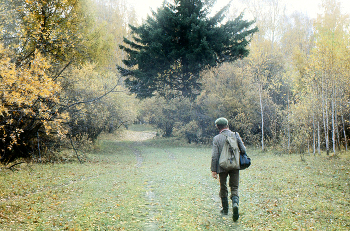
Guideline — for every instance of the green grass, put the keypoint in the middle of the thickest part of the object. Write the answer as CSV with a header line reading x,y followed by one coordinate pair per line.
x,y
166,185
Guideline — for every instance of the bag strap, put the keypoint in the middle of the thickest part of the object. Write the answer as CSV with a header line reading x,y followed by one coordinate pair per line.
x,y
235,134
229,135
240,151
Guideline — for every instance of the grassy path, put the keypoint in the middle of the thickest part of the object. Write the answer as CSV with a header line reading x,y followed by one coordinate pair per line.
x,y
166,185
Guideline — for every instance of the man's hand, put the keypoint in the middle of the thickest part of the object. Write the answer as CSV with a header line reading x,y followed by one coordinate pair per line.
x,y
214,174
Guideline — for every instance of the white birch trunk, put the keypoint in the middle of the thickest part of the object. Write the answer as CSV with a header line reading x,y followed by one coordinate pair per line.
x,y
314,133
345,138
333,123
318,138
325,115
327,129
262,118
288,124
336,117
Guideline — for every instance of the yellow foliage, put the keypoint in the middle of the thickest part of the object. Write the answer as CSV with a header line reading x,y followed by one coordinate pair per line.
x,y
26,93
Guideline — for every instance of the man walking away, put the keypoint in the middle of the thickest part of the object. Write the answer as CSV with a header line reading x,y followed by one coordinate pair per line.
x,y
218,143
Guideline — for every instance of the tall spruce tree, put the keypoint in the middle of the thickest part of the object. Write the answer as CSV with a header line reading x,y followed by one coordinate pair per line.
x,y
168,51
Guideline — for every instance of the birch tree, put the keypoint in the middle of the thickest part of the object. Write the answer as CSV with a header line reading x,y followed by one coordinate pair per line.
x,y
327,61
259,69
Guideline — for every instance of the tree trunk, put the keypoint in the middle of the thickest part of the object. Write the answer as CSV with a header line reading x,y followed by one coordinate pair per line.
x,y
318,138
336,118
262,118
345,138
314,134
333,122
327,130
325,116
288,124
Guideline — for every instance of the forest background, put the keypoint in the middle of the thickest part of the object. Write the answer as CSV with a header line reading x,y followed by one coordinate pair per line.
x,y
60,86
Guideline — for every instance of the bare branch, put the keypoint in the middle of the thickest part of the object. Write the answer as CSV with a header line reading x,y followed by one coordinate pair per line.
x,y
64,68
12,166
95,99
76,152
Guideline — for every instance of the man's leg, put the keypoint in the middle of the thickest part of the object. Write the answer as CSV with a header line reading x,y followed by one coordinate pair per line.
x,y
223,184
223,192
234,183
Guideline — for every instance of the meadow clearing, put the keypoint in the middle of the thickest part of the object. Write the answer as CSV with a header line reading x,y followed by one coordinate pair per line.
x,y
145,183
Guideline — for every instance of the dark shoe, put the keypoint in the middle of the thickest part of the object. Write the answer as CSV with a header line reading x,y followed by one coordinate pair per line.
x,y
224,202
235,204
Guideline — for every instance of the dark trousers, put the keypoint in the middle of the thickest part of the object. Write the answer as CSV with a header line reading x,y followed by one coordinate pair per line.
x,y
233,183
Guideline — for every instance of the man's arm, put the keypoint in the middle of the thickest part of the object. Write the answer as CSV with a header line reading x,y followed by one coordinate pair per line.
x,y
214,159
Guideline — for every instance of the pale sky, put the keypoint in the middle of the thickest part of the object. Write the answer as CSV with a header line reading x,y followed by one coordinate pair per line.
x,y
309,7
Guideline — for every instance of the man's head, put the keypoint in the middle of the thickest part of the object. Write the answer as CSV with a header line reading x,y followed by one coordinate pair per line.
x,y
221,123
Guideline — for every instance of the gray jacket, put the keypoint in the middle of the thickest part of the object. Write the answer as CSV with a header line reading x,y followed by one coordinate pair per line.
x,y
218,144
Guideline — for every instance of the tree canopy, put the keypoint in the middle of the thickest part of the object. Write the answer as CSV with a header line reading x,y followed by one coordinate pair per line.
x,y
55,75
167,52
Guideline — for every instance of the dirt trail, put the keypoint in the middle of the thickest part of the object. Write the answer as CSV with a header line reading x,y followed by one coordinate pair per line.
x,y
137,136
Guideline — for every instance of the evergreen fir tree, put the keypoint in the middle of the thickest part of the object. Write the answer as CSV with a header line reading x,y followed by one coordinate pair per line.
x,y
168,51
